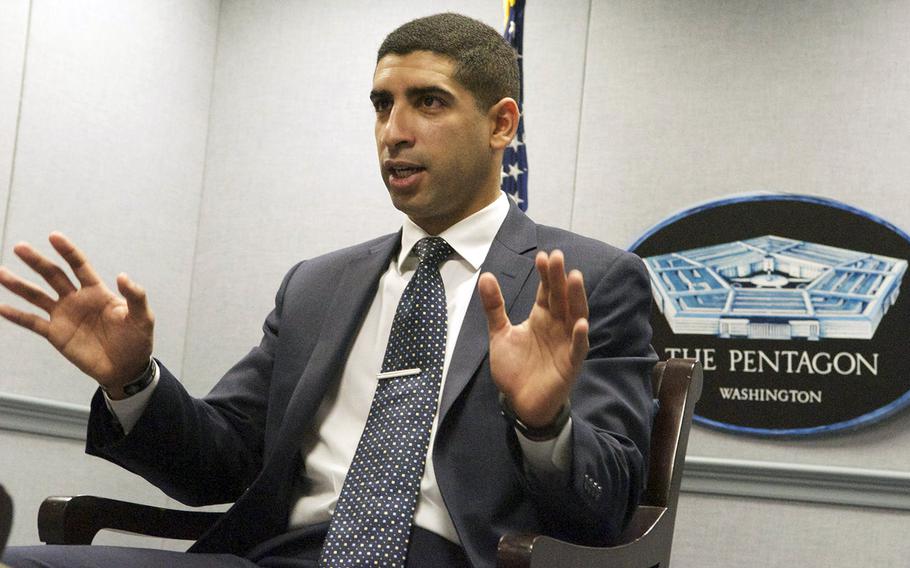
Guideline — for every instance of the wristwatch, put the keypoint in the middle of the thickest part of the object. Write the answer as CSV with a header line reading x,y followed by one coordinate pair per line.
x,y
539,434
139,383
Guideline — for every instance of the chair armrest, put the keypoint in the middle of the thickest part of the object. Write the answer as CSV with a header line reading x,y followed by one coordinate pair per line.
x,y
645,551
6,517
76,520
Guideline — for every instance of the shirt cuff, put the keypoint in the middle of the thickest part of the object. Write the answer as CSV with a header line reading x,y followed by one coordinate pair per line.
x,y
128,410
549,457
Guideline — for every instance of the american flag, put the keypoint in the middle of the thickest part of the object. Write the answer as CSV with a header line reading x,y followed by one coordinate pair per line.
x,y
515,158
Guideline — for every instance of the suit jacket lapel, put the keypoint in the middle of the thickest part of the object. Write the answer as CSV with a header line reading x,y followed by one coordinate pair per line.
x,y
357,287
346,310
354,292
512,267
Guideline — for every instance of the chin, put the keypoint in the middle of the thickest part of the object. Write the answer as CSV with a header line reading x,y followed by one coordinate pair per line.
x,y
406,201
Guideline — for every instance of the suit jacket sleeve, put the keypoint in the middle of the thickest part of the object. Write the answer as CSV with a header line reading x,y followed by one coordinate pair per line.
x,y
611,409
198,451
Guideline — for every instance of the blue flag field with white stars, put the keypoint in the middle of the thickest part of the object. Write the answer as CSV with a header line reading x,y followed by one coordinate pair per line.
x,y
515,158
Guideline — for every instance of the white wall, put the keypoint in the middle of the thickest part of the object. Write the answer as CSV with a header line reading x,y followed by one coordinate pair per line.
x,y
718,532
690,101
13,29
204,148
110,149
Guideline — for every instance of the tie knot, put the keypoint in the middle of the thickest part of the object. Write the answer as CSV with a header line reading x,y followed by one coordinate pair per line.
x,y
433,250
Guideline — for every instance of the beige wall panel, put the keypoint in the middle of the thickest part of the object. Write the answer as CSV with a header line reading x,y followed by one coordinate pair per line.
x,y
554,56
13,33
884,446
718,532
690,101
111,150
291,170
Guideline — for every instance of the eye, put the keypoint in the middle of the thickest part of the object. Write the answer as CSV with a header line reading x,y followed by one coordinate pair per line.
x,y
382,105
431,101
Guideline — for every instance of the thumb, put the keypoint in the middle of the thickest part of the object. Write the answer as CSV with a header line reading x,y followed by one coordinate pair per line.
x,y
493,304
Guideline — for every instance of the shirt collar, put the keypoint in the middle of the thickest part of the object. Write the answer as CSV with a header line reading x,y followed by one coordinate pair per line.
x,y
470,238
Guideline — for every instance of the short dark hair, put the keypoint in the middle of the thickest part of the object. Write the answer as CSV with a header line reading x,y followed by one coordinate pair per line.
x,y
485,63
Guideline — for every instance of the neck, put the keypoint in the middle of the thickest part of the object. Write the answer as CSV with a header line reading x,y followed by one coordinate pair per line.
x,y
435,226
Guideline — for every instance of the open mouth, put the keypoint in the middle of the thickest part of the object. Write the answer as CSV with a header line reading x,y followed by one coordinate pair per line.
x,y
402,173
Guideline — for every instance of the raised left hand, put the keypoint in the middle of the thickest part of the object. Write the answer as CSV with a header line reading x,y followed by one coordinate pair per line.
x,y
536,362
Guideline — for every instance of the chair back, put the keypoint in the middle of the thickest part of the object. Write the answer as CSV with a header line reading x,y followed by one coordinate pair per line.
x,y
6,517
648,538
676,384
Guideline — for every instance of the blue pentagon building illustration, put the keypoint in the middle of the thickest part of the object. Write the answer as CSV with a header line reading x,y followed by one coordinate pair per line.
x,y
774,287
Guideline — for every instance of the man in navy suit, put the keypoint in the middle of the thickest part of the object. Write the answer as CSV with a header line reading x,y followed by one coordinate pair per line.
x,y
541,425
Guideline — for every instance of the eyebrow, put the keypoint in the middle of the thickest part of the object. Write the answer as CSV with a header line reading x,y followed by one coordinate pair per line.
x,y
417,92
411,93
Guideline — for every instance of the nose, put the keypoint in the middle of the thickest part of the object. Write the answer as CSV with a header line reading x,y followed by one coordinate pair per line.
x,y
397,130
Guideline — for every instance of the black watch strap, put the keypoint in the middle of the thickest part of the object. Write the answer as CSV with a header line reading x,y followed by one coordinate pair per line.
x,y
140,383
541,433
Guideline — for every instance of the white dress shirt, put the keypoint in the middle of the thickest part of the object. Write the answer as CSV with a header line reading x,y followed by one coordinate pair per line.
x,y
329,447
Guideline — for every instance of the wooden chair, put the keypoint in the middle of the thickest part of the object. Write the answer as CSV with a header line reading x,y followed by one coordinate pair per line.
x,y
76,520
647,540
645,543
6,517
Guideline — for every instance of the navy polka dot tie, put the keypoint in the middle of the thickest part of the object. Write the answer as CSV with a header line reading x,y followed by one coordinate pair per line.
x,y
372,520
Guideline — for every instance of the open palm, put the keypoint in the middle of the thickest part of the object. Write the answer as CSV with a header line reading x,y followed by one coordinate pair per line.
x,y
107,336
535,363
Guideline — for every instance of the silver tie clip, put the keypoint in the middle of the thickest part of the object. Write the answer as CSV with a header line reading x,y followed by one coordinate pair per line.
x,y
399,373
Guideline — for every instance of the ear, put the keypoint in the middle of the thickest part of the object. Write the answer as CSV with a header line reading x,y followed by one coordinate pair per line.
x,y
503,117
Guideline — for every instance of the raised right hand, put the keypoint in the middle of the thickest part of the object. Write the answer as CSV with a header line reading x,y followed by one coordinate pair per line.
x,y
108,336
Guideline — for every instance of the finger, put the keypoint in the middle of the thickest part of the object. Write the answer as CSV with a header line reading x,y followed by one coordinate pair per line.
x,y
75,258
26,320
26,290
542,262
493,304
580,344
136,298
578,300
52,274
558,290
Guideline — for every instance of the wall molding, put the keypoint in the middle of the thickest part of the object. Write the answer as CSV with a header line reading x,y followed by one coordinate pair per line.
x,y
798,482
43,416
712,476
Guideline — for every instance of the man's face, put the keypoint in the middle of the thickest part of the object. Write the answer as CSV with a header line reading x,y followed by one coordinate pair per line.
x,y
434,147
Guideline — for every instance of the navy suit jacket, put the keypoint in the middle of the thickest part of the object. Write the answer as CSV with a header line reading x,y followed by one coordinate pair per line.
x,y
241,443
